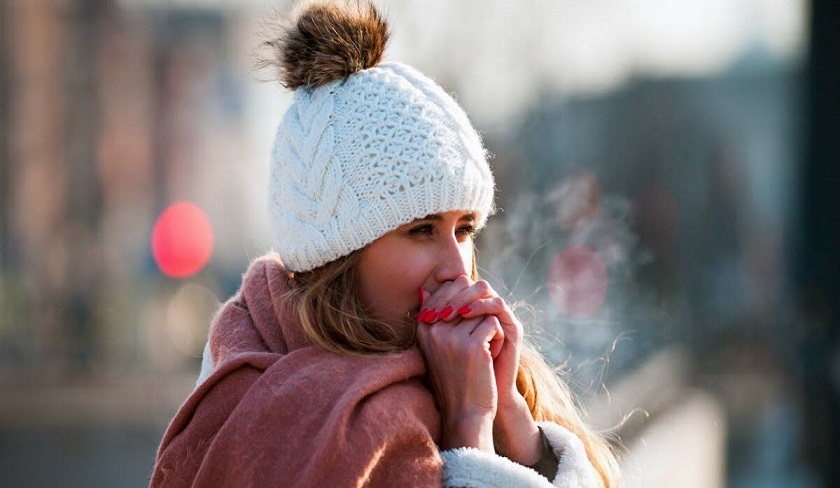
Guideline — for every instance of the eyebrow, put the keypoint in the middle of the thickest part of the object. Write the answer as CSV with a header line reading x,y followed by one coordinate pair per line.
x,y
438,217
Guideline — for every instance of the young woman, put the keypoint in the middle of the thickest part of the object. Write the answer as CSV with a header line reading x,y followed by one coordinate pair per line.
x,y
367,351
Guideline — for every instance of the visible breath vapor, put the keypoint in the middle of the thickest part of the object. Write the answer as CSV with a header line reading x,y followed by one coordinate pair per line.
x,y
545,251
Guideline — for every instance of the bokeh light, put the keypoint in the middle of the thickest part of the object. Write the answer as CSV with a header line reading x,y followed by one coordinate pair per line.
x,y
188,316
182,240
577,281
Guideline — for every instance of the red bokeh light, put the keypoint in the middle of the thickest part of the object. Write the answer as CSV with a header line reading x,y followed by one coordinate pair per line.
x,y
577,281
182,240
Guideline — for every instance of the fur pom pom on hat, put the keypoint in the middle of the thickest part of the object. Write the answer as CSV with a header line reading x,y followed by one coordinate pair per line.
x,y
329,40
365,147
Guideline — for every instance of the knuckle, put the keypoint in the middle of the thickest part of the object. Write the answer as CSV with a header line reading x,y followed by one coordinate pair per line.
x,y
483,287
462,281
492,319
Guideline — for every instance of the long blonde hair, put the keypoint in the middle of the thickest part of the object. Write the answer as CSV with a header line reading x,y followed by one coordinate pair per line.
x,y
333,318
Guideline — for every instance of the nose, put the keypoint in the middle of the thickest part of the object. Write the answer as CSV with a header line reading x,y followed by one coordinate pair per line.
x,y
455,259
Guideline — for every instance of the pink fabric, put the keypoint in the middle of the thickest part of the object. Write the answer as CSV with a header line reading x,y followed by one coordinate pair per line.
x,y
279,411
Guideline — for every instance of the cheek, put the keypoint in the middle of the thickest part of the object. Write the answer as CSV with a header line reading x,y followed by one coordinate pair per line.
x,y
400,283
389,287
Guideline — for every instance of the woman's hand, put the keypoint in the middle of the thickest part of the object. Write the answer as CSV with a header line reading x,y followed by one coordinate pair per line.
x,y
460,369
515,432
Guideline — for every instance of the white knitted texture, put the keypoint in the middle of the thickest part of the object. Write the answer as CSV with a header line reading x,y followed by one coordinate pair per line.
x,y
357,158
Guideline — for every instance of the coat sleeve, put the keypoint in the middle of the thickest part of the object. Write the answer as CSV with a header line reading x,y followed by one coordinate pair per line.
x,y
472,468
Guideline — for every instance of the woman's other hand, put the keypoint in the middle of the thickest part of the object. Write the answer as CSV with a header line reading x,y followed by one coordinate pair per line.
x,y
460,369
515,432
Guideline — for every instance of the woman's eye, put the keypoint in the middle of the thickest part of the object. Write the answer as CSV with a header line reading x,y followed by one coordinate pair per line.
x,y
422,229
466,231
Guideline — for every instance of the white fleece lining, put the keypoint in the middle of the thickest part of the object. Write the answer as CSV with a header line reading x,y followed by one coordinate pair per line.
x,y
468,467
471,468
574,469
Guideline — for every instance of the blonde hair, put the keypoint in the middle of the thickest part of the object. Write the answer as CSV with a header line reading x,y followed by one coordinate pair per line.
x,y
549,399
333,318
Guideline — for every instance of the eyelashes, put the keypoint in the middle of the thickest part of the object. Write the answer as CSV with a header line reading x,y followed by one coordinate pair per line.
x,y
422,229
467,230
429,229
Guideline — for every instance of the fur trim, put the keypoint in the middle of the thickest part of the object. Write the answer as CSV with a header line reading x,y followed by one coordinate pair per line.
x,y
472,468
327,40
574,469
468,467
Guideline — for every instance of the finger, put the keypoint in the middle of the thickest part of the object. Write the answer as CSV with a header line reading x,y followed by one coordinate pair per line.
x,y
487,331
451,340
497,342
497,307
423,296
423,334
461,303
434,341
462,327
445,336
438,301
494,305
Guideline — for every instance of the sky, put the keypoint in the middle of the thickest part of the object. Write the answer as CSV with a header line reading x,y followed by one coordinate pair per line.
x,y
498,56
485,49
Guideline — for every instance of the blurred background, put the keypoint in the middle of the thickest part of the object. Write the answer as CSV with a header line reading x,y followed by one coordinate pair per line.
x,y
667,174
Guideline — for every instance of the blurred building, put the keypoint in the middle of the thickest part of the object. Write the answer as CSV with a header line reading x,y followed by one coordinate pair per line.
x,y
694,174
681,190
108,115
649,198
111,115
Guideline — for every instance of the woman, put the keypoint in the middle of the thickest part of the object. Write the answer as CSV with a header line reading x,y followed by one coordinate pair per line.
x,y
366,351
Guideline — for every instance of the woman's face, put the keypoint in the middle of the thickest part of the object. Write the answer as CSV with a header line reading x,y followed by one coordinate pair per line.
x,y
426,252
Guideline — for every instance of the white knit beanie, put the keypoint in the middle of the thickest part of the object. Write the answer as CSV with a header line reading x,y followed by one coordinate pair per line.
x,y
364,147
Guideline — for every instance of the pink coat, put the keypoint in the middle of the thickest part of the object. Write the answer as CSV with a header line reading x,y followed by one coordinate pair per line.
x,y
279,411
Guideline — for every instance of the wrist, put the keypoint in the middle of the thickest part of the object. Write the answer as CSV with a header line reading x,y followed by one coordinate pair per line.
x,y
469,430
516,435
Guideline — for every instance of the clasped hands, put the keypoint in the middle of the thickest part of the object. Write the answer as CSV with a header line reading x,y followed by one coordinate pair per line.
x,y
472,342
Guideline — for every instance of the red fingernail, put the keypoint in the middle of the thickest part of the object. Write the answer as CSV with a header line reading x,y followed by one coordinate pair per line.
x,y
421,315
431,316
464,310
445,313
